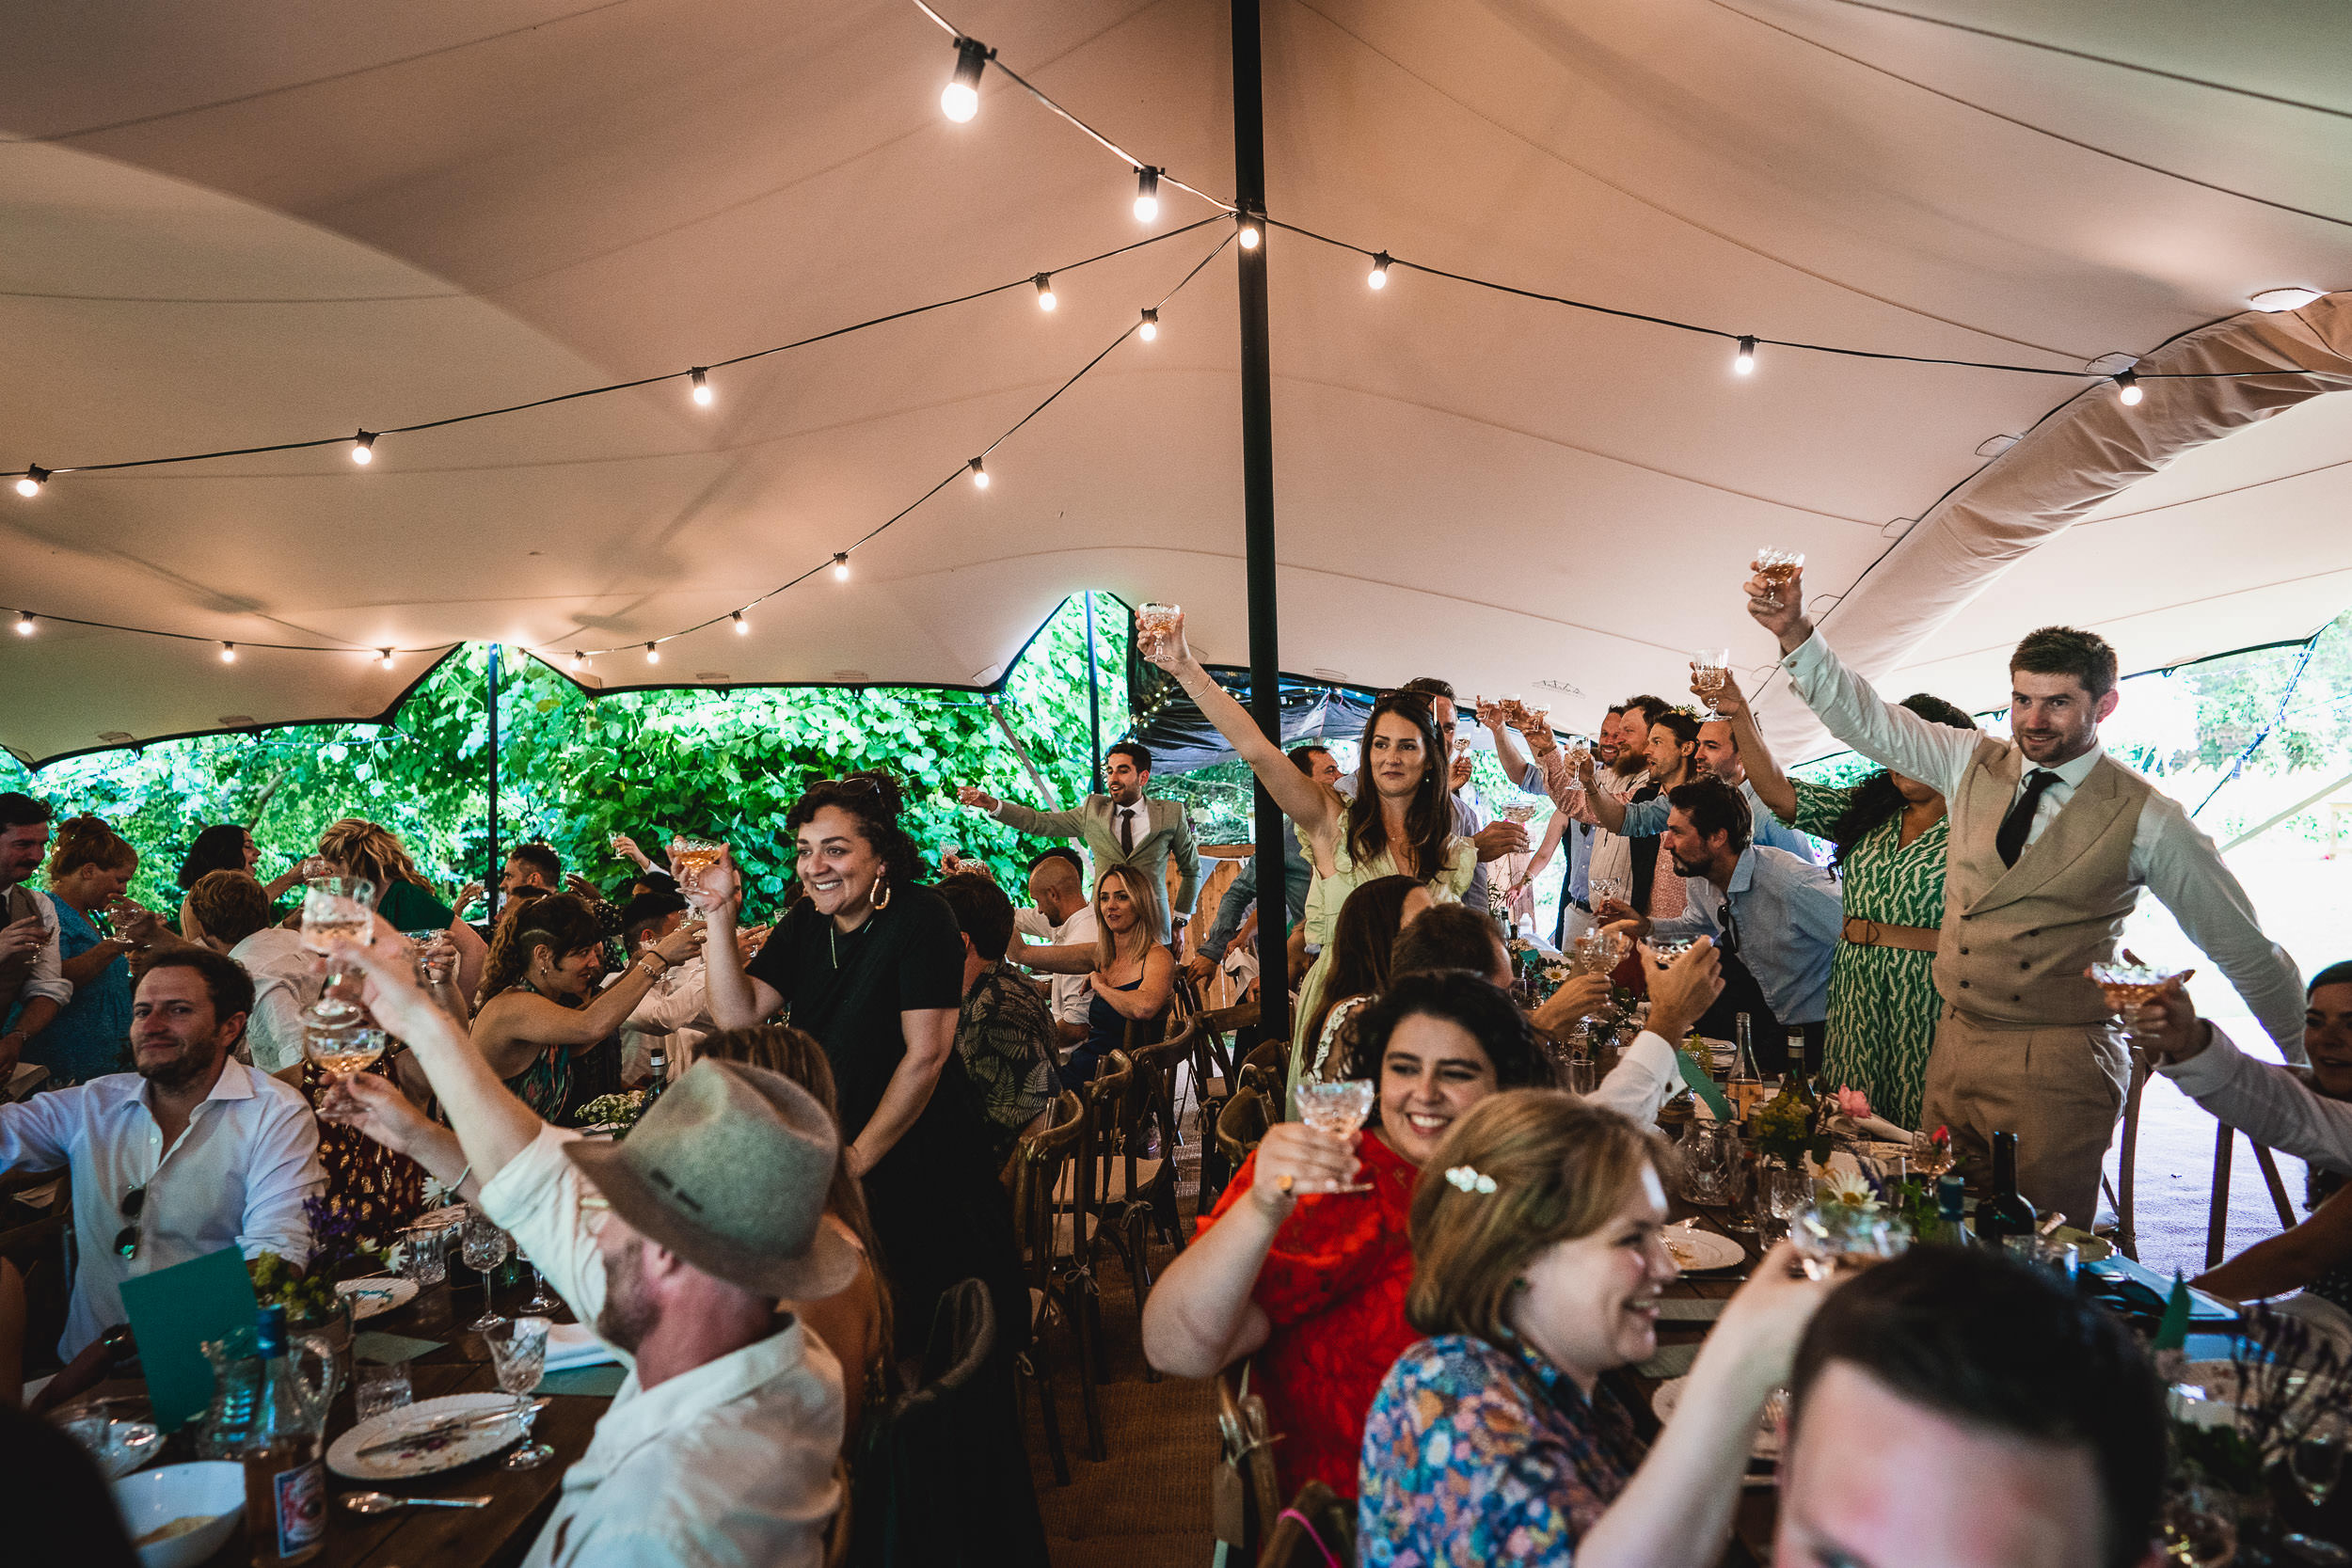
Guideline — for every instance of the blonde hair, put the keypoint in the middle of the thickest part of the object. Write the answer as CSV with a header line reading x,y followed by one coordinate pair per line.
x,y
89,841
370,849
1147,913
1561,1168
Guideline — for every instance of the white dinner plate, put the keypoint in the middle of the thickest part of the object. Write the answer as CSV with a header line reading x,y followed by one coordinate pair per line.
x,y
1696,1251
1766,1443
430,1455
375,1295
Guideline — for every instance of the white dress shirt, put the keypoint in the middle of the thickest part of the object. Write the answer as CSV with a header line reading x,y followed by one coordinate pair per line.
x,y
236,1176
1644,1078
287,978
2269,1104
729,1463
675,1010
2171,857
47,977
1073,994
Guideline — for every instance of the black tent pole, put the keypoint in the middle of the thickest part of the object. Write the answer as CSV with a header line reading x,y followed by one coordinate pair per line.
x,y
490,888
1257,471
1094,695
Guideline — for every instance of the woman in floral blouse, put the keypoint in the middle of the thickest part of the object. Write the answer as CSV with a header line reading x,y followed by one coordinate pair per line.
x,y
1537,1232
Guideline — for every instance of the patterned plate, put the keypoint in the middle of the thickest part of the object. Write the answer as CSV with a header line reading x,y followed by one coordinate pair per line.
x,y
428,1455
376,1295
1696,1251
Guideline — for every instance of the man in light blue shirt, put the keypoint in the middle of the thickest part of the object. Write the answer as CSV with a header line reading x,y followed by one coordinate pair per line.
x,y
1718,755
1241,895
1775,917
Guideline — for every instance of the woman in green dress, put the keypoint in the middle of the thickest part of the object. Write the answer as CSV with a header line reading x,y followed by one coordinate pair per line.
x,y
1890,833
357,847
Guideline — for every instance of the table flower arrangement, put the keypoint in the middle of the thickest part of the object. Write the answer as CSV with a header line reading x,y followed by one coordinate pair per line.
x,y
618,1110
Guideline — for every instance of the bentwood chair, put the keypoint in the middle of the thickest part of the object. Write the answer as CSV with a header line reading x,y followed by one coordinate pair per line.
x,y
1242,1126
1246,1498
2218,1216
2126,1160
1058,1287
1316,1530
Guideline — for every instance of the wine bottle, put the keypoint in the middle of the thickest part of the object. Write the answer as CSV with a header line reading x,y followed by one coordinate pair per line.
x,y
1952,1226
1745,1088
2004,1214
285,1484
1797,1078
658,1078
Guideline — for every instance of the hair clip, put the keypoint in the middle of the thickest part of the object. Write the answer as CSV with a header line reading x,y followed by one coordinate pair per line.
x,y
1470,1180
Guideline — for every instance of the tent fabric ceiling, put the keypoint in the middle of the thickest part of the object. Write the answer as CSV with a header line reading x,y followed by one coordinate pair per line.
x,y
250,222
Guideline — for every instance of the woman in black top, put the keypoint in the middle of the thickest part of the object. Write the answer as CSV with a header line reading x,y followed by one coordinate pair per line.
x,y
872,965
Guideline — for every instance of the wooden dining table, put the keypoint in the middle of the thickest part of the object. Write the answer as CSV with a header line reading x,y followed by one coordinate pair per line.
x,y
493,1536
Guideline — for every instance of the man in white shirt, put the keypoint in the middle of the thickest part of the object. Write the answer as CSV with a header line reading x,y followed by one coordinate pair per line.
x,y
2051,841
2303,1112
29,960
1061,917
193,1152
676,1011
678,1245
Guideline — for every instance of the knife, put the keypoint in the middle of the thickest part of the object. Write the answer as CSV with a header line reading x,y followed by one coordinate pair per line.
x,y
443,1428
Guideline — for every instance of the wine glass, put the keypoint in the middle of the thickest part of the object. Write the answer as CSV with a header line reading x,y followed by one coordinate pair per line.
x,y
1663,951
1609,890
341,1051
541,1299
482,1246
519,1352
1778,569
1930,1158
2129,987
1338,1109
1787,1193
336,909
2200,1524
2315,1462
1708,667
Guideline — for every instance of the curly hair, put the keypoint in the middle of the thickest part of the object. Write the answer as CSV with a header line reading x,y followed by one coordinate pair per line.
x,y
560,922
370,849
90,841
1477,1006
230,905
871,799
1429,819
1875,800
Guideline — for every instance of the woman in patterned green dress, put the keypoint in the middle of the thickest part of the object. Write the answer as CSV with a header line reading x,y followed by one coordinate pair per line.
x,y
1891,834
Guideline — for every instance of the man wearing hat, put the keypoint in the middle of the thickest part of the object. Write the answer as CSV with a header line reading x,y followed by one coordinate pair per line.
x,y
677,1245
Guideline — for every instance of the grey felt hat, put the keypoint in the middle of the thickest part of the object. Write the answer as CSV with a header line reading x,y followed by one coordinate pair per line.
x,y
729,1170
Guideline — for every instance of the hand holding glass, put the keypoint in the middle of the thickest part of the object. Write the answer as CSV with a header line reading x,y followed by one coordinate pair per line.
x,y
336,909
1337,1109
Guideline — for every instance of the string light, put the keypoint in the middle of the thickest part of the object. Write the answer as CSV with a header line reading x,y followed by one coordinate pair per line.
x,y
841,560
653,655
23,622
386,658
1248,230
979,475
742,627
35,477
702,387
1147,194
2128,383
363,448
1150,327
229,653
1743,362
1044,282
577,663
960,100
1379,279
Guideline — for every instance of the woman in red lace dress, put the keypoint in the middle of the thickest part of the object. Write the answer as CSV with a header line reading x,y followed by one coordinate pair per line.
x,y
1312,1283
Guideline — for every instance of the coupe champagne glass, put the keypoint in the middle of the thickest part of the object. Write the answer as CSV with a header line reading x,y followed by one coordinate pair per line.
x,y
2129,987
1337,1108
2199,1526
1778,569
519,1352
482,1246
341,1051
1153,622
336,909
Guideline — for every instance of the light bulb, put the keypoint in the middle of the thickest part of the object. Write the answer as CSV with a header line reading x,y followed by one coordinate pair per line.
x,y
1379,276
1248,232
1150,327
229,653
653,655
841,557
960,99
2284,299
35,477
1147,195
742,627
979,475
577,663
1044,292
387,660
363,448
1744,363
23,622
702,387
2129,383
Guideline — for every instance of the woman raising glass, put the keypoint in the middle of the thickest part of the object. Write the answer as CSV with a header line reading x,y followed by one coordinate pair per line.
x,y
1399,823
1128,963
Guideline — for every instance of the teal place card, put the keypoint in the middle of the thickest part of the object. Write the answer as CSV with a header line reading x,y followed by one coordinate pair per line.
x,y
173,1312
385,1349
602,1381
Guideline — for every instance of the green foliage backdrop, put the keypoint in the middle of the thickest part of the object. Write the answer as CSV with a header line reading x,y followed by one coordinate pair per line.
x,y
575,770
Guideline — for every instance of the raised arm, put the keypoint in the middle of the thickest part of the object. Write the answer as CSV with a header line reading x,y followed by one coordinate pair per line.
x,y
738,1001
2184,871
1513,760
1770,785
1028,819
1315,809
518,1017
2289,1260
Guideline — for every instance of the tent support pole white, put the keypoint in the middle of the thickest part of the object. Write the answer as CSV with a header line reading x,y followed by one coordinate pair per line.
x,y
2300,806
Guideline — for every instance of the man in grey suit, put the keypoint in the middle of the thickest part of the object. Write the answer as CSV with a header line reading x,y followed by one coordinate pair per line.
x,y
1121,827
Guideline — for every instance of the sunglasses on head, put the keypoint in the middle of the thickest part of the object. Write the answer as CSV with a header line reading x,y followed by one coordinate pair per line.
x,y
127,1238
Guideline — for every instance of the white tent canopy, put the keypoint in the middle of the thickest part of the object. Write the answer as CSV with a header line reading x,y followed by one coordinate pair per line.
x,y
246,223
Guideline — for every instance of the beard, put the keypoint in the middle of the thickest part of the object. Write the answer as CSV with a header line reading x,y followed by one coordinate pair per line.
x,y
1684,868
628,1316
192,1063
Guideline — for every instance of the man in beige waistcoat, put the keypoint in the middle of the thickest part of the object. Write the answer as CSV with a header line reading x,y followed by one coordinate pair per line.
x,y
2051,842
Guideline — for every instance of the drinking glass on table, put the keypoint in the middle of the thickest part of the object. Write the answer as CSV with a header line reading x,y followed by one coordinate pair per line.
x,y
424,1254
541,1299
1707,669
378,1388
1778,569
1787,1193
1708,1148
1337,1108
518,1351
2200,1524
482,1246
2315,1463
336,909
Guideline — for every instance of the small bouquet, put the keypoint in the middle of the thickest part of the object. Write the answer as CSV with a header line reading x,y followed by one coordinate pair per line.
x,y
1790,1128
618,1110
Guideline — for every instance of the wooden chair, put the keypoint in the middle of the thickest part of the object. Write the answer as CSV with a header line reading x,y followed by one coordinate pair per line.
x,y
1317,1529
1058,1295
1242,1126
1249,1496
2218,1216
1159,1071
2120,1193
38,1239
1266,1068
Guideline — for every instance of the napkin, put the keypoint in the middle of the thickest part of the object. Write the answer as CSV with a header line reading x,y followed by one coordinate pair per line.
x,y
572,1345
1879,1127
388,1350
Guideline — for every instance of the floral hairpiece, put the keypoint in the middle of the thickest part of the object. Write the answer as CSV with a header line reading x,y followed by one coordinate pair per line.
x,y
1469,1178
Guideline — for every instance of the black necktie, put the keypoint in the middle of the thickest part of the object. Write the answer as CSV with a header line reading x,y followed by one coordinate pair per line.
x,y
2011,840
1127,829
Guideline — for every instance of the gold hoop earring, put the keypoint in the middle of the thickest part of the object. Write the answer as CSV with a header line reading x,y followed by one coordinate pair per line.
x,y
882,894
